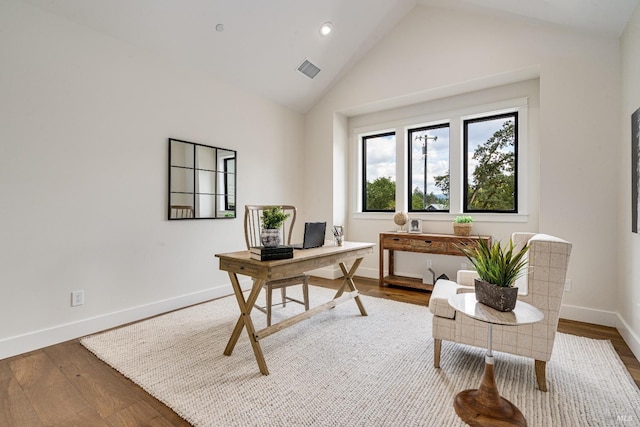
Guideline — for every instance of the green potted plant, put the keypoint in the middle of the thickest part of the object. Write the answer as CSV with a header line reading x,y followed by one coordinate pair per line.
x,y
462,225
498,270
272,220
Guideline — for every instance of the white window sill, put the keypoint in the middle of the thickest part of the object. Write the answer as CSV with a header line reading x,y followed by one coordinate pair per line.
x,y
445,217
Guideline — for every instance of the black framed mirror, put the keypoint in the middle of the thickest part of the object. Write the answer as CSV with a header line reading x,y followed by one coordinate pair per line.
x,y
202,181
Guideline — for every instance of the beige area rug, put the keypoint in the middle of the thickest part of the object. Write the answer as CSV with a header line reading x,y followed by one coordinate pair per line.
x,y
342,369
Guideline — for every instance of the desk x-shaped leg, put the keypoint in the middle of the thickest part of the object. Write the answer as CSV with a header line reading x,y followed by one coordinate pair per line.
x,y
347,282
245,321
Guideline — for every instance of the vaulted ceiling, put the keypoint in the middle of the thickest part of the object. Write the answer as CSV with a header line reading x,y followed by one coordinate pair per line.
x,y
258,45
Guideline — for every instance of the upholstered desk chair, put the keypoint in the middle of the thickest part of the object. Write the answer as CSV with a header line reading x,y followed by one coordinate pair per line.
x,y
252,228
542,286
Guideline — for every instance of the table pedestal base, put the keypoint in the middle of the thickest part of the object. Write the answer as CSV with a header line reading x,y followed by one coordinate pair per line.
x,y
485,407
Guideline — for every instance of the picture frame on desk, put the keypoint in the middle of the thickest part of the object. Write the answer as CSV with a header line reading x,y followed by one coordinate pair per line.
x,y
415,225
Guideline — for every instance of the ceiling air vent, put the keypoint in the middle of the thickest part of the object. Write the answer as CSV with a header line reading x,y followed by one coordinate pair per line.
x,y
308,69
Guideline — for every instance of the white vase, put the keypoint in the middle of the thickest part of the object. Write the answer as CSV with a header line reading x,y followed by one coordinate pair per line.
x,y
270,237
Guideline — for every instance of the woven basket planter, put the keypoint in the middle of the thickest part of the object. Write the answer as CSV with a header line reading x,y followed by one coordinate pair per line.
x,y
462,229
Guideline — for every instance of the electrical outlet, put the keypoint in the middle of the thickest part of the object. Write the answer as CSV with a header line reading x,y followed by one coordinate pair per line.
x,y
77,298
429,263
567,285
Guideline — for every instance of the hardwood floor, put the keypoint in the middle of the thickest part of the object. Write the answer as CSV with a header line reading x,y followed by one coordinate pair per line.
x,y
65,385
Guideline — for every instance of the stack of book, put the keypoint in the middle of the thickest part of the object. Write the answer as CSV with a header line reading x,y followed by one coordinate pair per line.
x,y
260,253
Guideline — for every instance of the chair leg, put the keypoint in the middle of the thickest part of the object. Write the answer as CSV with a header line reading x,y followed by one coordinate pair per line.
x,y
269,303
437,347
541,374
283,292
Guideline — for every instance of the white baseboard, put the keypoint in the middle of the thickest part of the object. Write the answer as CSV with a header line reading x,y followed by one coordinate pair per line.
x,y
13,346
589,315
330,273
605,318
369,273
630,337
334,272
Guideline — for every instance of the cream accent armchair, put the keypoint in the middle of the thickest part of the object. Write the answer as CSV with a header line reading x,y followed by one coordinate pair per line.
x,y
542,286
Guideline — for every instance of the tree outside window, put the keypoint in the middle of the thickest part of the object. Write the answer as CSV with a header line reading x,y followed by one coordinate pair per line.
x,y
490,164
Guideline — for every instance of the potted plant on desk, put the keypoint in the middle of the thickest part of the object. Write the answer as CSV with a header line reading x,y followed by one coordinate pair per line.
x,y
498,270
272,220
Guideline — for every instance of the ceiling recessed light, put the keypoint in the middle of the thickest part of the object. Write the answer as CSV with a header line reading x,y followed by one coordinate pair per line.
x,y
326,28
219,28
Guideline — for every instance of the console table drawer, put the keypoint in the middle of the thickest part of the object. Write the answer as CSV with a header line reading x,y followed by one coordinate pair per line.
x,y
397,243
453,248
429,246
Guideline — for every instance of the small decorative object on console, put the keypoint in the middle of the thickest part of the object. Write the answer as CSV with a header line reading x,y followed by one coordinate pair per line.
x,y
401,219
462,225
415,225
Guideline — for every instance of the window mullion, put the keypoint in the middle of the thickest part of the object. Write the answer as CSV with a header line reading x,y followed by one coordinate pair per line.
x,y
401,170
455,166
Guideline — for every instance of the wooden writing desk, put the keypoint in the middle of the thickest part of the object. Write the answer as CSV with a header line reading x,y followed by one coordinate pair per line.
x,y
303,260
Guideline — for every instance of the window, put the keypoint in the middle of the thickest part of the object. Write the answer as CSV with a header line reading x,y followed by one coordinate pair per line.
x,y
429,169
448,157
490,164
379,172
480,149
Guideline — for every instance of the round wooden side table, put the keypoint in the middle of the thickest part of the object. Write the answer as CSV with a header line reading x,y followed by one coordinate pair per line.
x,y
484,406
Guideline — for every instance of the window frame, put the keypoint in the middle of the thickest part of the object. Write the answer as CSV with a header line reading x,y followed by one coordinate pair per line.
x,y
409,142
465,161
363,149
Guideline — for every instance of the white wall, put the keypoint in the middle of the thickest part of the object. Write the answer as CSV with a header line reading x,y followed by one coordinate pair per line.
x,y
434,53
629,252
84,122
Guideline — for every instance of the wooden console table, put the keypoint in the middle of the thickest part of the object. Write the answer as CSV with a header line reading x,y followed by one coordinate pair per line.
x,y
442,244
